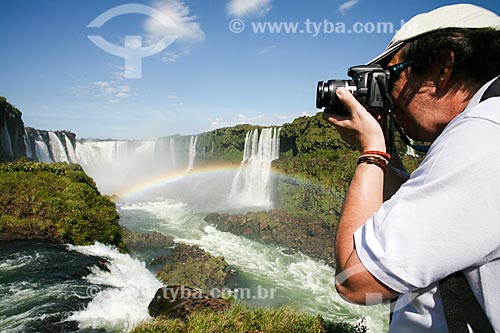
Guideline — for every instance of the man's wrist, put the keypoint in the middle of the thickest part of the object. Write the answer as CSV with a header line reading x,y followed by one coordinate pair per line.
x,y
380,148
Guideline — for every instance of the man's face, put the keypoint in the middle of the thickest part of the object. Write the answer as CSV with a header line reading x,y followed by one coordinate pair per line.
x,y
413,102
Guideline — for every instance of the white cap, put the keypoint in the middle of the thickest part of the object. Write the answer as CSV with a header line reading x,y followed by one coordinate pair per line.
x,y
453,16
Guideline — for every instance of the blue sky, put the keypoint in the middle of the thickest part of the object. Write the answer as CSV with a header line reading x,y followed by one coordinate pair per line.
x,y
209,77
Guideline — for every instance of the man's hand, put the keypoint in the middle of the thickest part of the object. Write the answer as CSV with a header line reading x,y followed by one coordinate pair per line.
x,y
360,129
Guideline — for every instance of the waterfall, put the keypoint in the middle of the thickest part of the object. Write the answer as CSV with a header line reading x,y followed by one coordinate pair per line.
x,y
117,166
49,147
42,152
70,150
57,149
252,183
173,158
27,144
192,152
5,139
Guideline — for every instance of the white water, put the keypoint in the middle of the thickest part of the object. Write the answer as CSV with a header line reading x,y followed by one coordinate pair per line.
x,y
192,152
116,165
29,151
16,295
42,152
57,148
252,184
125,291
70,150
297,279
122,295
173,157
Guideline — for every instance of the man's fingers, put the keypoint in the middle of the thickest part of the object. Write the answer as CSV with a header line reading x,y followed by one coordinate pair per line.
x,y
334,118
348,99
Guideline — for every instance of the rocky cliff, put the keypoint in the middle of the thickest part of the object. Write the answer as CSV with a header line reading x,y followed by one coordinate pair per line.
x,y
11,132
17,141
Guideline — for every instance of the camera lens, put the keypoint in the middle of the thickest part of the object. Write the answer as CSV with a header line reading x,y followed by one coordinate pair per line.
x,y
323,95
326,97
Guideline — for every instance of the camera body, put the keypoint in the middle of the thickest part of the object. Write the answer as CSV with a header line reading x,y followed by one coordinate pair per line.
x,y
365,86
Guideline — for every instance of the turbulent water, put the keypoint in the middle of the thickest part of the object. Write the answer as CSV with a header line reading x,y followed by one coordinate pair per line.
x,y
267,274
49,288
40,285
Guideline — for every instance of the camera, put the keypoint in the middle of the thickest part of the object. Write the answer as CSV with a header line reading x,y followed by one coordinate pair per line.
x,y
368,85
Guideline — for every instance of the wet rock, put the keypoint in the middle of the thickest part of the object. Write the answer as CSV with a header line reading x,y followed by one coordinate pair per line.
x,y
180,301
193,267
306,233
155,240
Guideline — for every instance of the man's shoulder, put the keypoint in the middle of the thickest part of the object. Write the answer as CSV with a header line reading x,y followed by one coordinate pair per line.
x,y
487,110
486,103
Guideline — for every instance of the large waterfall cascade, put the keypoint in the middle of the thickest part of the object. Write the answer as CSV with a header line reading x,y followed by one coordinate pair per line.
x,y
252,184
115,165
119,165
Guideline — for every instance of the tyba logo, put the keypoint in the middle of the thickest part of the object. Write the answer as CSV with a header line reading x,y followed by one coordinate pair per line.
x,y
133,52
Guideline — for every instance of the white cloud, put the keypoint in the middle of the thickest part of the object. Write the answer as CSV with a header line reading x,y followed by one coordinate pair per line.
x,y
171,96
268,49
263,120
185,26
112,91
101,84
240,8
343,8
173,56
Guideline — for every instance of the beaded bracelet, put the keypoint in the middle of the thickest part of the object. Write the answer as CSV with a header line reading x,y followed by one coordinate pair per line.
x,y
377,160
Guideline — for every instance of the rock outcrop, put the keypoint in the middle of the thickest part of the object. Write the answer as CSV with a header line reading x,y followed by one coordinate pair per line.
x,y
155,240
308,234
55,202
193,267
180,301
11,132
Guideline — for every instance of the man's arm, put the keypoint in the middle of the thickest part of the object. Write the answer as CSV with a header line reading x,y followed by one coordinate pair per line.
x,y
365,196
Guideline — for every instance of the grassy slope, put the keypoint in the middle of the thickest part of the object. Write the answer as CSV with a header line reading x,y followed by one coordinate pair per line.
x,y
241,319
56,202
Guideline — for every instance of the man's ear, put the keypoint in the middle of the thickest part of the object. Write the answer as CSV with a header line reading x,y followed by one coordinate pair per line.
x,y
444,68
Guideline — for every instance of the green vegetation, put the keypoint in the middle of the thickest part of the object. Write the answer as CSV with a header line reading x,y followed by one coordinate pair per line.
x,y
224,144
317,167
241,319
56,202
194,268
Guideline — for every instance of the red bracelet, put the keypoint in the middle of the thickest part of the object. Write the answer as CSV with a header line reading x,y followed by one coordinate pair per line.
x,y
379,153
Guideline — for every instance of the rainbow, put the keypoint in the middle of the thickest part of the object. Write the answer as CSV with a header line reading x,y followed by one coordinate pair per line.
x,y
174,177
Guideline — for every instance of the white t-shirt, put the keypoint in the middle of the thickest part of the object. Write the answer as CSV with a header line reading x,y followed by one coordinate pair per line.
x,y
444,219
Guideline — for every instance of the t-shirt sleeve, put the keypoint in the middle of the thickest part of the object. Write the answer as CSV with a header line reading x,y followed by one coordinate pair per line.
x,y
445,218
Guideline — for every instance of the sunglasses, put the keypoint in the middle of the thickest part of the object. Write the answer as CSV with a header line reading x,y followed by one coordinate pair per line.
x,y
396,70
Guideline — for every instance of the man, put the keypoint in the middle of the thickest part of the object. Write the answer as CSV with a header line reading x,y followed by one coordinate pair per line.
x,y
446,217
